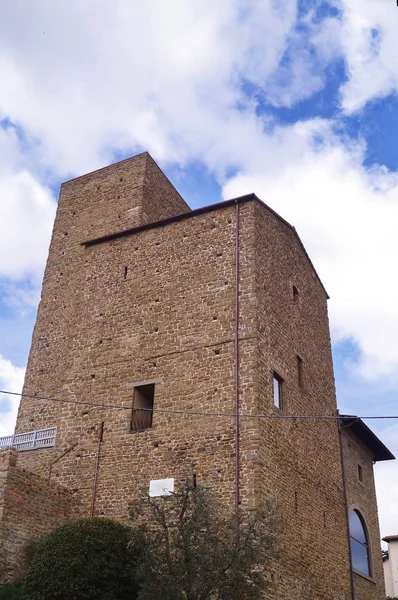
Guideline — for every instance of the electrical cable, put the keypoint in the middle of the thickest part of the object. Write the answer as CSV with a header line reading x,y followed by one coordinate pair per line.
x,y
196,413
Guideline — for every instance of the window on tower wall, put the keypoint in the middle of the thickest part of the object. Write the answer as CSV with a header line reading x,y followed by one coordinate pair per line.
x,y
278,390
141,417
359,544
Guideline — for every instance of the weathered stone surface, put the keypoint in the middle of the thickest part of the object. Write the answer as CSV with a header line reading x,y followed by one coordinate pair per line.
x,y
29,507
158,304
362,497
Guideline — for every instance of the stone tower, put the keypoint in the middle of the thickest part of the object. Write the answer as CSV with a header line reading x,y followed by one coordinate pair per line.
x,y
149,305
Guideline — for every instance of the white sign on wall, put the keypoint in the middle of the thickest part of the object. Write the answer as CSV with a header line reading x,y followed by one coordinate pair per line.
x,y
161,487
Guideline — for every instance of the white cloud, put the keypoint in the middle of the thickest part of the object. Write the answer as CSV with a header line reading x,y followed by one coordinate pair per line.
x,y
347,217
11,379
368,38
87,79
84,80
27,210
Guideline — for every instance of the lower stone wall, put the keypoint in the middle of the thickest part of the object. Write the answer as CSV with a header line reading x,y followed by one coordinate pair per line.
x,y
29,507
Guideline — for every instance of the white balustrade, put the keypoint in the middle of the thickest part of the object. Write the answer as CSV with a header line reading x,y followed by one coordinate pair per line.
x,y
42,438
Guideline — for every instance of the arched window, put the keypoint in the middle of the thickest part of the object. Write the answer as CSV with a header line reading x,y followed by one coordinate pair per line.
x,y
359,544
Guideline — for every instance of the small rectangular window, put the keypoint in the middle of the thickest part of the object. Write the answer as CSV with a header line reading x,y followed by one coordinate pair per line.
x,y
300,370
278,385
141,417
360,473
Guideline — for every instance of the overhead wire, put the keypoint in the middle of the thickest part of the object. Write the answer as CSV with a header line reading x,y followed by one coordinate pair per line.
x,y
194,412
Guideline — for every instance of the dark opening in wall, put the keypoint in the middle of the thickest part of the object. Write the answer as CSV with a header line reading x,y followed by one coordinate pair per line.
x,y
296,296
141,417
300,370
125,272
360,473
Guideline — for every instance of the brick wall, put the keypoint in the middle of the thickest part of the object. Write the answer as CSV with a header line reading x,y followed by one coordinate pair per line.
x,y
29,507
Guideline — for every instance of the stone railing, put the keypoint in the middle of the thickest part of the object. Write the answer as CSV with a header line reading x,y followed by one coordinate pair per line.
x,y
42,438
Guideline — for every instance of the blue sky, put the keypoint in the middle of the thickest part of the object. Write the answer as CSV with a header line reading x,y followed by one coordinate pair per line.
x,y
295,101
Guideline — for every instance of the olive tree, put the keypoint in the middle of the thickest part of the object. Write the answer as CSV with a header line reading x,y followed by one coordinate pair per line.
x,y
196,549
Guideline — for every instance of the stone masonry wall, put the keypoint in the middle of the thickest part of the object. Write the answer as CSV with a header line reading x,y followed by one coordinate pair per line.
x,y
171,320
299,459
29,507
362,496
158,305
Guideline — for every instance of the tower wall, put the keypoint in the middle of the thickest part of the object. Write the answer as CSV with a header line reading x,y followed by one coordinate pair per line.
x,y
157,306
299,459
361,495
168,319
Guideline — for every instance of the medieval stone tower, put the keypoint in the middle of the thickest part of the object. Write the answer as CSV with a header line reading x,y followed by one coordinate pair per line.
x,y
149,305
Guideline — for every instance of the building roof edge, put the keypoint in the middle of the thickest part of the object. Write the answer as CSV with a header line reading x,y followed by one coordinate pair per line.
x,y
203,210
366,435
168,220
390,538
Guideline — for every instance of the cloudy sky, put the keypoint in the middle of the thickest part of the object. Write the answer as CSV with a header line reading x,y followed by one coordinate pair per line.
x,y
293,100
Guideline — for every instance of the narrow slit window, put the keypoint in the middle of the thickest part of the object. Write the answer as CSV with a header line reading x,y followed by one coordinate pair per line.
x,y
296,296
142,412
360,473
300,370
278,390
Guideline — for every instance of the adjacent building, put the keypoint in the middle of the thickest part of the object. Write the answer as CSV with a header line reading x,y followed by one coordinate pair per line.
x,y
158,325
390,565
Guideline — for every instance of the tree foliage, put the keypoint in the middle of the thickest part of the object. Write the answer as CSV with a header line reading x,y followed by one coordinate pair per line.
x,y
196,550
88,559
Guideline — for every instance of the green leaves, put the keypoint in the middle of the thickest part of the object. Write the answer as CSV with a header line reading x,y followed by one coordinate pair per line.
x,y
197,550
12,591
186,546
89,559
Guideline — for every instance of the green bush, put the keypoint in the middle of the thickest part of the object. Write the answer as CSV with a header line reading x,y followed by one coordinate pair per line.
x,y
89,559
11,591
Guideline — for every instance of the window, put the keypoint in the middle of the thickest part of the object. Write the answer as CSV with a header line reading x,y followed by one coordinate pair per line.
x,y
141,417
300,370
296,296
359,544
360,473
278,385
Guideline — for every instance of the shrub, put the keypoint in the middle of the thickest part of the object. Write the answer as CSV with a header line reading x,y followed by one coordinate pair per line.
x,y
11,591
88,559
